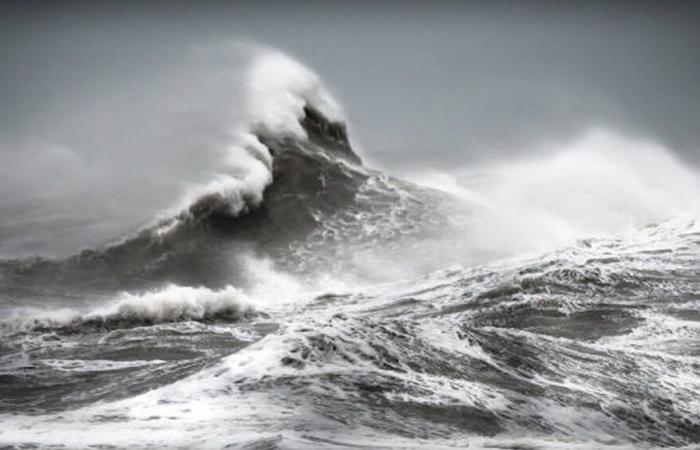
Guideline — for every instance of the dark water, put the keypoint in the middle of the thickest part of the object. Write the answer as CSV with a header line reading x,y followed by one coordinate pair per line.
x,y
348,327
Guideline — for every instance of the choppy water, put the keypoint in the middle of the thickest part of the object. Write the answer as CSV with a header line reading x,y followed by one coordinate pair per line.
x,y
310,302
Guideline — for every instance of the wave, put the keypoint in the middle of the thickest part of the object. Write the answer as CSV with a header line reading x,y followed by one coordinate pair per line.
x,y
502,353
291,189
509,354
282,97
279,91
170,304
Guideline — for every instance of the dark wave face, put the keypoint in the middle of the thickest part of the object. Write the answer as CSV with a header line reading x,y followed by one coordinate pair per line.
x,y
304,300
321,204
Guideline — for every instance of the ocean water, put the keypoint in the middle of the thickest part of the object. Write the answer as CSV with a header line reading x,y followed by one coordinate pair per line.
x,y
298,298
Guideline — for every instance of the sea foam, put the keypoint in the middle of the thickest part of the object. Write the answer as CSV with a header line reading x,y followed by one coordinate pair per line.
x,y
172,303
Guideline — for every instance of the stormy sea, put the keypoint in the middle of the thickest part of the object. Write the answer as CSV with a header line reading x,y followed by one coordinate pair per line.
x,y
295,297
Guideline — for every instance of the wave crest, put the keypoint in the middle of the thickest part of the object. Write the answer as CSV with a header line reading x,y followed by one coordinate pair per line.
x,y
284,98
171,304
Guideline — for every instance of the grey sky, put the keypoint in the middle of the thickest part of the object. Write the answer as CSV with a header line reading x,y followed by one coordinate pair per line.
x,y
453,80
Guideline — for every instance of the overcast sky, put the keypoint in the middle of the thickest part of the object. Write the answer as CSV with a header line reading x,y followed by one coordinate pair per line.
x,y
449,81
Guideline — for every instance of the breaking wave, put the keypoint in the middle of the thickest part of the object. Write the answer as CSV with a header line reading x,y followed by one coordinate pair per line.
x,y
279,91
170,304
541,303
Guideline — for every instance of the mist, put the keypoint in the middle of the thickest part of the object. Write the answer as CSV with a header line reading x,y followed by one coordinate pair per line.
x,y
97,141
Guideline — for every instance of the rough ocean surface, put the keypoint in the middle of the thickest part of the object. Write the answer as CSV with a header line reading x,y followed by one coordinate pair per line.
x,y
307,301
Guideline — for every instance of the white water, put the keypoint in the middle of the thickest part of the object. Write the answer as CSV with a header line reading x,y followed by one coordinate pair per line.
x,y
170,304
599,185
277,89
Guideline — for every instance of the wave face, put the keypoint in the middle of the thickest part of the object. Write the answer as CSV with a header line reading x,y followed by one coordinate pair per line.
x,y
486,311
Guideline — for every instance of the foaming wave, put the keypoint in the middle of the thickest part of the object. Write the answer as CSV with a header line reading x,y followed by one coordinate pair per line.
x,y
601,185
278,90
277,290
170,304
246,172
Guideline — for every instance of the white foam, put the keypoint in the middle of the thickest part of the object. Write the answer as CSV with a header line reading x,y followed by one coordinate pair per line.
x,y
181,302
600,185
170,304
246,170
276,290
279,88
96,365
